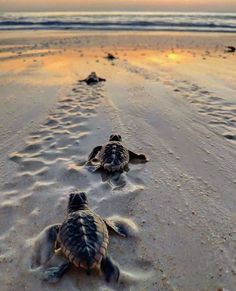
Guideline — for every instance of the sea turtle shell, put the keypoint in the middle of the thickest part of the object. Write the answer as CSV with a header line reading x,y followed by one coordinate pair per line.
x,y
114,156
92,79
83,238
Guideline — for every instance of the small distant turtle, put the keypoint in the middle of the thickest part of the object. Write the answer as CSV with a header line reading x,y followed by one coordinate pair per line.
x,y
230,49
110,57
114,157
82,240
93,79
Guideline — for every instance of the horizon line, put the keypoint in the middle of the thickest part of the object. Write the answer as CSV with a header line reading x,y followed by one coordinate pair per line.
x,y
113,11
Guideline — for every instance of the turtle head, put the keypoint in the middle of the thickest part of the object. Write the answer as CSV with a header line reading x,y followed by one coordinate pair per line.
x,y
115,137
93,75
77,201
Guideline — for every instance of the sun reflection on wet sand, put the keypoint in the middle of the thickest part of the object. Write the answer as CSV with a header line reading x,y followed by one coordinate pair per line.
x,y
164,58
168,57
55,68
174,57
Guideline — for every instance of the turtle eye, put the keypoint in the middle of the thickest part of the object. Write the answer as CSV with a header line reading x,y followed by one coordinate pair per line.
x,y
119,137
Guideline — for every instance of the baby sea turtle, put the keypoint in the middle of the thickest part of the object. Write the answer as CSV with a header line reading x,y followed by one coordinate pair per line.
x,y
82,240
93,79
110,57
114,157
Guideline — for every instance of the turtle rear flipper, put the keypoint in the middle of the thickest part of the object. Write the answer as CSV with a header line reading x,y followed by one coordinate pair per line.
x,y
110,269
93,167
59,265
44,246
121,226
126,168
54,274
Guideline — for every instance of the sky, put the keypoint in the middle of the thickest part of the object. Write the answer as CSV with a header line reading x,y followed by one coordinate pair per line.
x,y
119,5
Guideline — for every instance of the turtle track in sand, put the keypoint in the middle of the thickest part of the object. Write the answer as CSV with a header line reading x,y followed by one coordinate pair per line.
x,y
49,166
220,113
51,150
50,157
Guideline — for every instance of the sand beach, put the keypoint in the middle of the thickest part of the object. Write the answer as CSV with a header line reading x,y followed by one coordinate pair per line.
x,y
171,95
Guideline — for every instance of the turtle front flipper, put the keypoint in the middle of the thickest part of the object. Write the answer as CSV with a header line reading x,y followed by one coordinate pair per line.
x,y
94,152
121,226
137,158
44,246
58,267
110,269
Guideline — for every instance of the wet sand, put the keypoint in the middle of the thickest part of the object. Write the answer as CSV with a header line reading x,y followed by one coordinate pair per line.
x,y
171,96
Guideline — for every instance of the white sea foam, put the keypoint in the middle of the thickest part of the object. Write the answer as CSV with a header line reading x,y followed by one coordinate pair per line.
x,y
159,21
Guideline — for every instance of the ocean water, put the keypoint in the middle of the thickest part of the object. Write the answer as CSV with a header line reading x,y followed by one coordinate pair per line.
x,y
161,21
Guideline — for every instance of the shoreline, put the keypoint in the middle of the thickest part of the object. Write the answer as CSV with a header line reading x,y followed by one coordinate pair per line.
x,y
125,30
122,39
91,32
